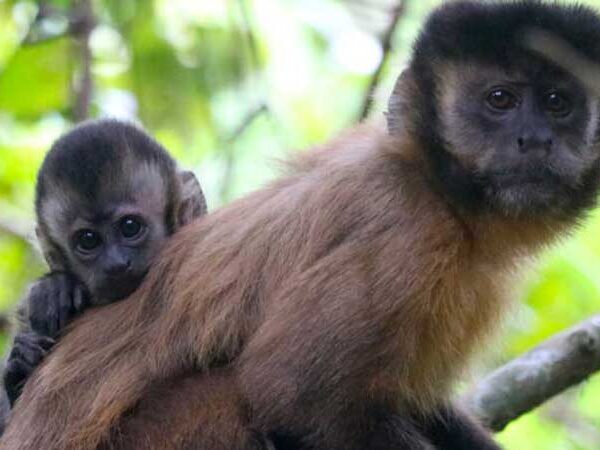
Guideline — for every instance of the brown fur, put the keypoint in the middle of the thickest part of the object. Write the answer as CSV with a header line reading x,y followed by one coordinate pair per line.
x,y
349,285
203,413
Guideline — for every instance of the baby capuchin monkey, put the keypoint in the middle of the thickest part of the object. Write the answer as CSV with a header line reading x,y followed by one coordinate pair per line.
x,y
335,308
107,198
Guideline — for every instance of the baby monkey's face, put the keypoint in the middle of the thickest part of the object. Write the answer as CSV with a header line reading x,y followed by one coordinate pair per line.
x,y
527,136
109,238
112,252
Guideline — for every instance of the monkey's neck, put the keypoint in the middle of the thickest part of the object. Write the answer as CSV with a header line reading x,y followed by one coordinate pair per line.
x,y
459,308
468,264
506,240
494,236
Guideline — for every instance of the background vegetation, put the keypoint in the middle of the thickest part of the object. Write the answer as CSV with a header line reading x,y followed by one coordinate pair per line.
x,y
227,85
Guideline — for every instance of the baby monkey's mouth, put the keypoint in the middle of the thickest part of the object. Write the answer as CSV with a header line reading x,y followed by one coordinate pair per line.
x,y
121,287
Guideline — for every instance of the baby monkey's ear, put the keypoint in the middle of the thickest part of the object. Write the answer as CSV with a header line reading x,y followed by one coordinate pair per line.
x,y
193,203
52,255
402,114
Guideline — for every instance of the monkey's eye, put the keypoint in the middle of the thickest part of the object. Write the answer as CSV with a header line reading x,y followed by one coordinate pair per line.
x,y
131,226
87,240
502,99
557,104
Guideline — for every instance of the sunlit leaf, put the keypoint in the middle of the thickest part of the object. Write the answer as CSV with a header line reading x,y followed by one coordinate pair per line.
x,y
36,80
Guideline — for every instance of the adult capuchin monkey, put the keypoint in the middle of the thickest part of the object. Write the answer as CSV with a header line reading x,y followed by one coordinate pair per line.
x,y
107,198
333,309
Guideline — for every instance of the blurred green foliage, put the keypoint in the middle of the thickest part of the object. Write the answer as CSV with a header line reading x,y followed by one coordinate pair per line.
x,y
228,86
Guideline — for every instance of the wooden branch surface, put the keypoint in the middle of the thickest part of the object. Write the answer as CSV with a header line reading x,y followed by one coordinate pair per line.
x,y
527,381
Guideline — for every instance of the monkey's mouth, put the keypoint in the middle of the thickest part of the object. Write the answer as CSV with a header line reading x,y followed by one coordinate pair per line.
x,y
120,288
542,178
527,192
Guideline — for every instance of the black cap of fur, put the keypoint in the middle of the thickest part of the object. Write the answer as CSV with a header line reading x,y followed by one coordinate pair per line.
x,y
81,156
492,31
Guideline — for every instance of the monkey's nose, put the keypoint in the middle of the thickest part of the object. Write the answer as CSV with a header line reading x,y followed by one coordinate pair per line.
x,y
535,143
115,268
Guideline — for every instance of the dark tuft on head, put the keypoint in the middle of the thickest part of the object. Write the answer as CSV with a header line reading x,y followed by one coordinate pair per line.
x,y
82,156
492,32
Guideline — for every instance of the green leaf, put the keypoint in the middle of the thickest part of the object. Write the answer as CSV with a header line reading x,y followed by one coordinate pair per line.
x,y
36,80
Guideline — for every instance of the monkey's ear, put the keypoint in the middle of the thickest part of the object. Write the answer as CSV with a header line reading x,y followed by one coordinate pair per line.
x,y
193,203
51,253
401,111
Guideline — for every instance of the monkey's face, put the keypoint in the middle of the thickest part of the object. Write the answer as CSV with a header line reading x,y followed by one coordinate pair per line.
x,y
109,241
107,198
527,138
112,254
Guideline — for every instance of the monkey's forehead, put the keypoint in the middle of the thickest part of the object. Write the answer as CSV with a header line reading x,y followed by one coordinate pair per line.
x,y
99,152
494,32
144,187
460,77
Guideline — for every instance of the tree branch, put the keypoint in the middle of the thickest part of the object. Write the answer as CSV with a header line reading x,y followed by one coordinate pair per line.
x,y
82,23
386,45
526,382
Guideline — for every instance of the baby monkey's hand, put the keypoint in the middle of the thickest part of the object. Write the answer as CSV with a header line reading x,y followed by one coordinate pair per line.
x,y
54,301
28,350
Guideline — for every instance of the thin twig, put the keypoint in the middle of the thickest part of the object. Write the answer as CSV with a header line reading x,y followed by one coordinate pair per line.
x,y
251,37
230,142
386,45
245,124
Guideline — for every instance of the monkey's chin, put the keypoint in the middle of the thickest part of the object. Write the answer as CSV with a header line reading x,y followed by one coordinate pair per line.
x,y
529,200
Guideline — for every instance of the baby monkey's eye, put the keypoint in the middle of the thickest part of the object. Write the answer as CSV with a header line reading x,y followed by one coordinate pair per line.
x,y
87,240
131,226
502,99
557,104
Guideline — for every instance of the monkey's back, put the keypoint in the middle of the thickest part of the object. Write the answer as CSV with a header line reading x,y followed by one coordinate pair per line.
x,y
335,286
